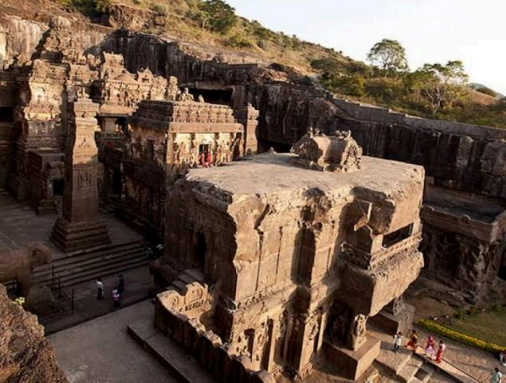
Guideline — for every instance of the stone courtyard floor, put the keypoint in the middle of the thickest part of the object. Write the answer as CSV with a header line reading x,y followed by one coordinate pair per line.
x,y
20,225
101,351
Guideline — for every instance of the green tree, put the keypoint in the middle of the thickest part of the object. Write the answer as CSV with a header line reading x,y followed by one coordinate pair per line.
x,y
215,15
440,85
389,56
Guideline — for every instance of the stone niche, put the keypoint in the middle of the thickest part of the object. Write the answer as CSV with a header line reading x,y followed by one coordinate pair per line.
x,y
283,265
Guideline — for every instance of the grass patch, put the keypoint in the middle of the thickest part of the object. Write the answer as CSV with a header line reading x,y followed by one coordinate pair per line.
x,y
489,326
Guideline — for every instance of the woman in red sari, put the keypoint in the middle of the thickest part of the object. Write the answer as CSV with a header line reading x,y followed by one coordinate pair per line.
x,y
440,351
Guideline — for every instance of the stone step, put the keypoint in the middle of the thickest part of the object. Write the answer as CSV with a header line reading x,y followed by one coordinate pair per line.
x,y
394,362
103,253
172,356
179,286
410,369
102,271
195,274
64,269
83,266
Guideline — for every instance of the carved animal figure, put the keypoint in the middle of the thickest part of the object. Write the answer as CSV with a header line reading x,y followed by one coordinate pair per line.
x,y
18,265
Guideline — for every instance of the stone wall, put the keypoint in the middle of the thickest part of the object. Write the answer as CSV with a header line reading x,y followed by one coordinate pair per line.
x,y
26,355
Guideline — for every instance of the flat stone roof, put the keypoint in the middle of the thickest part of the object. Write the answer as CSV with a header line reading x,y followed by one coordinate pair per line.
x,y
274,173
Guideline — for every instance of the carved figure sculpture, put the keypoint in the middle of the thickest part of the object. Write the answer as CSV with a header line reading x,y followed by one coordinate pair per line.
x,y
18,265
358,331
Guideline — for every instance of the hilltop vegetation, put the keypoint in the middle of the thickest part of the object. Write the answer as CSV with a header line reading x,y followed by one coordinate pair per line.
x,y
435,90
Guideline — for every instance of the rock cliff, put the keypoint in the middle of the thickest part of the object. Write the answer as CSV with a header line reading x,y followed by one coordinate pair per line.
x,y
25,355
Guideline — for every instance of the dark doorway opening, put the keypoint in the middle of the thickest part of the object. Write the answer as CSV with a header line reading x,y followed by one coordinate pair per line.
x,y
6,114
397,236
279,147
200,251
58,188
213,96
117,182
502,273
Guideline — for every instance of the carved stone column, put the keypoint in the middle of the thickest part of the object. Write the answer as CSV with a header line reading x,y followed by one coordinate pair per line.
x,y
80,227
248,117
396,316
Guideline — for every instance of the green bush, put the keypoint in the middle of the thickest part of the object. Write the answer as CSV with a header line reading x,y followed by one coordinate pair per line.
x,y
159,9
237,41
436,328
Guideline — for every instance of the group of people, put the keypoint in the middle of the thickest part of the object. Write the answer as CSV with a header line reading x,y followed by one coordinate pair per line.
x,y
116,292
205,159
432,354
430,347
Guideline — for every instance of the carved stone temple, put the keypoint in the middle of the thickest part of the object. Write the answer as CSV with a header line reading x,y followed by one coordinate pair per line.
x,y
80,226
278,261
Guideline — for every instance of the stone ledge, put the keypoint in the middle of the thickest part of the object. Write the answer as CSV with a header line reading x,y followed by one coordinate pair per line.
x,y
168,353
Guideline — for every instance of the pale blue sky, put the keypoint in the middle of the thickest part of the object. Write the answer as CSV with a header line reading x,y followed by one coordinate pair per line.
x,y
473,31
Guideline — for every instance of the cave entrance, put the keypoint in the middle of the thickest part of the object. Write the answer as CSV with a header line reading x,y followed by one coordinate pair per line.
x,y
502,273
117,182
200,251
397,236
279,147
214,96
58,187
6,114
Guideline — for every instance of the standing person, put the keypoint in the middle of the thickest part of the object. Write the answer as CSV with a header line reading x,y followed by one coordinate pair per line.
x,y
496,376
440,351
413,340
150,254
100,289
116,297
397,341
121,284
208,159
502,357
430,349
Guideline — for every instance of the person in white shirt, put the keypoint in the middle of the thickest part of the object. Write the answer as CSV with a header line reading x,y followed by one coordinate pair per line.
x,y
496,376
397,341
100,289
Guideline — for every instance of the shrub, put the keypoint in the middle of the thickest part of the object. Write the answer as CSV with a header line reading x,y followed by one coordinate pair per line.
x,y
159,9
486,90
237,41
458,337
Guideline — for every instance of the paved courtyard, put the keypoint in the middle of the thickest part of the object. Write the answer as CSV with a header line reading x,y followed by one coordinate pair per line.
x,y
101,351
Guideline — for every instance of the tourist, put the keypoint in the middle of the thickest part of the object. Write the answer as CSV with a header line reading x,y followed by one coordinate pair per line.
x,y
150,254
502,357
208,160
116,297
440,351
496,376
413,340
121,284
430,349
397,341
100,289
202,159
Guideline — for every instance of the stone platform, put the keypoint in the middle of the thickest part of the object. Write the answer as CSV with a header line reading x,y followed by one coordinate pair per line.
x,y
353,364
168,353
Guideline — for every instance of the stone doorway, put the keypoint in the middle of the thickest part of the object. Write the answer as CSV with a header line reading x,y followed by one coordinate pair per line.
x,y
502,273
117,182
6,114
200,251
58,188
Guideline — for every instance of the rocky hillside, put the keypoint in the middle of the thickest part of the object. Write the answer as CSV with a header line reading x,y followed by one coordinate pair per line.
x,y
26,356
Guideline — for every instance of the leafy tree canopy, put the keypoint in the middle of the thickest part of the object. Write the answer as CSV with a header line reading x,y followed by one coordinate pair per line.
x,y
389,56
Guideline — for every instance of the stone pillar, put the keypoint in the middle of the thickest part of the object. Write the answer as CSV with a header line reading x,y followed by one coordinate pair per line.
x,y
80,227
248,117
396,316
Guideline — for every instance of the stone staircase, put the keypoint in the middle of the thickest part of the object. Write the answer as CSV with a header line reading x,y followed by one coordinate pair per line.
x,y
86,265
403,367
185,278
59,205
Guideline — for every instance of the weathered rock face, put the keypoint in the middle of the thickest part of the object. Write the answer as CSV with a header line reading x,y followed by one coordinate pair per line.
x,y
26,355
290,258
